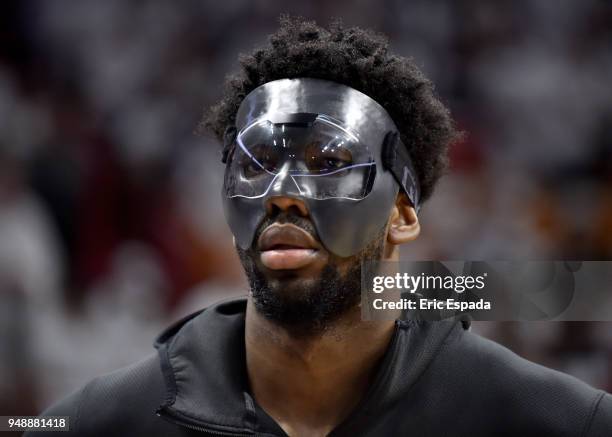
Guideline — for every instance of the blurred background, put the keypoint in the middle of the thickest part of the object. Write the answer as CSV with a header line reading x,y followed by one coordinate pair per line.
x,y
110,216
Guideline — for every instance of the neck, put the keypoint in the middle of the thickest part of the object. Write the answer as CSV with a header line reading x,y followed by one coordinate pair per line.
x,y
310,384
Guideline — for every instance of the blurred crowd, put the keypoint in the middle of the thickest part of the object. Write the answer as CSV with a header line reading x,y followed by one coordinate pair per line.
x,y
110,215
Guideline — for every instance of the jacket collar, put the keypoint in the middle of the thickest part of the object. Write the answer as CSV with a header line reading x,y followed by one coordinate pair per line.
x,y
204,367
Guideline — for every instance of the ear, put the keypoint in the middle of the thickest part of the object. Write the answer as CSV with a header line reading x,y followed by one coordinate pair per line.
x,y
403,223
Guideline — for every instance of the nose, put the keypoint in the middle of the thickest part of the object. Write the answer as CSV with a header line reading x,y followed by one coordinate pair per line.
x,y
277,204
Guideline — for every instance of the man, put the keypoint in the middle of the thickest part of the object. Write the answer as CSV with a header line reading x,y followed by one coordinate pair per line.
x,y
330,144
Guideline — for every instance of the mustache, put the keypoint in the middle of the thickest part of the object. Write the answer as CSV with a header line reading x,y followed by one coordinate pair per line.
x,y
281,218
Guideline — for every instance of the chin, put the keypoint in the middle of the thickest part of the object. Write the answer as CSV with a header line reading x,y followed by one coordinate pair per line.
x,y
293,285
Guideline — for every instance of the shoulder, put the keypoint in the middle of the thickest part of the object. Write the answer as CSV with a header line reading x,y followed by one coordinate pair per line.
x,y
117,403
495,361
526,395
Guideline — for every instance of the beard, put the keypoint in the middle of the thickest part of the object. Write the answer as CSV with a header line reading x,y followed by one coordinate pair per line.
x,y
307,308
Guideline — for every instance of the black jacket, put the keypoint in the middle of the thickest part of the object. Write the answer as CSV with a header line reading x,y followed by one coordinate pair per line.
x,y
436,379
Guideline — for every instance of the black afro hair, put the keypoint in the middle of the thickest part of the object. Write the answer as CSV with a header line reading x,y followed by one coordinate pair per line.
x,y
357,58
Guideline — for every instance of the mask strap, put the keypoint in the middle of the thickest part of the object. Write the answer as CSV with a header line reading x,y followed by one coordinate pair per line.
x,y
396,159
229,139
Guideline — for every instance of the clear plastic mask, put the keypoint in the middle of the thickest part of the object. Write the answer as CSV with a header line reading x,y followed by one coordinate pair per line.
x,y
306,155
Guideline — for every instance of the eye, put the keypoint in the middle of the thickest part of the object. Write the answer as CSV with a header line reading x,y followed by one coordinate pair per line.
x,y
327,159
263,159
333,163
251,169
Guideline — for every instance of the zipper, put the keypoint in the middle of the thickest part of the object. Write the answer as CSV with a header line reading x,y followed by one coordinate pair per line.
x,y
179,419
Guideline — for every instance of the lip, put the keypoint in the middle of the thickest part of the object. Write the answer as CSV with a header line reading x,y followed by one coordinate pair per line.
x,y
287,247
287,235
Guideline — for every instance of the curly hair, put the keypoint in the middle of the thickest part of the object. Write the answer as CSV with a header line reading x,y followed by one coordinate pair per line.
x,y
359,59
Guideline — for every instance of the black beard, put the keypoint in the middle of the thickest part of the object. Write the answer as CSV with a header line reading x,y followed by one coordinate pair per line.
x,y
308,309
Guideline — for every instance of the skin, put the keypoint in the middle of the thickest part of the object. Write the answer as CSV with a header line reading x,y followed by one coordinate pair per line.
x,y
309,385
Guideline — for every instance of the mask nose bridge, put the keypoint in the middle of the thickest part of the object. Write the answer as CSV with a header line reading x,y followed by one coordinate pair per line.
x,y
284,183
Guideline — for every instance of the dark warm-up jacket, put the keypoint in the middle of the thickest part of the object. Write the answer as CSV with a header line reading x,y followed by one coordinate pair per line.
x,y
436,379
